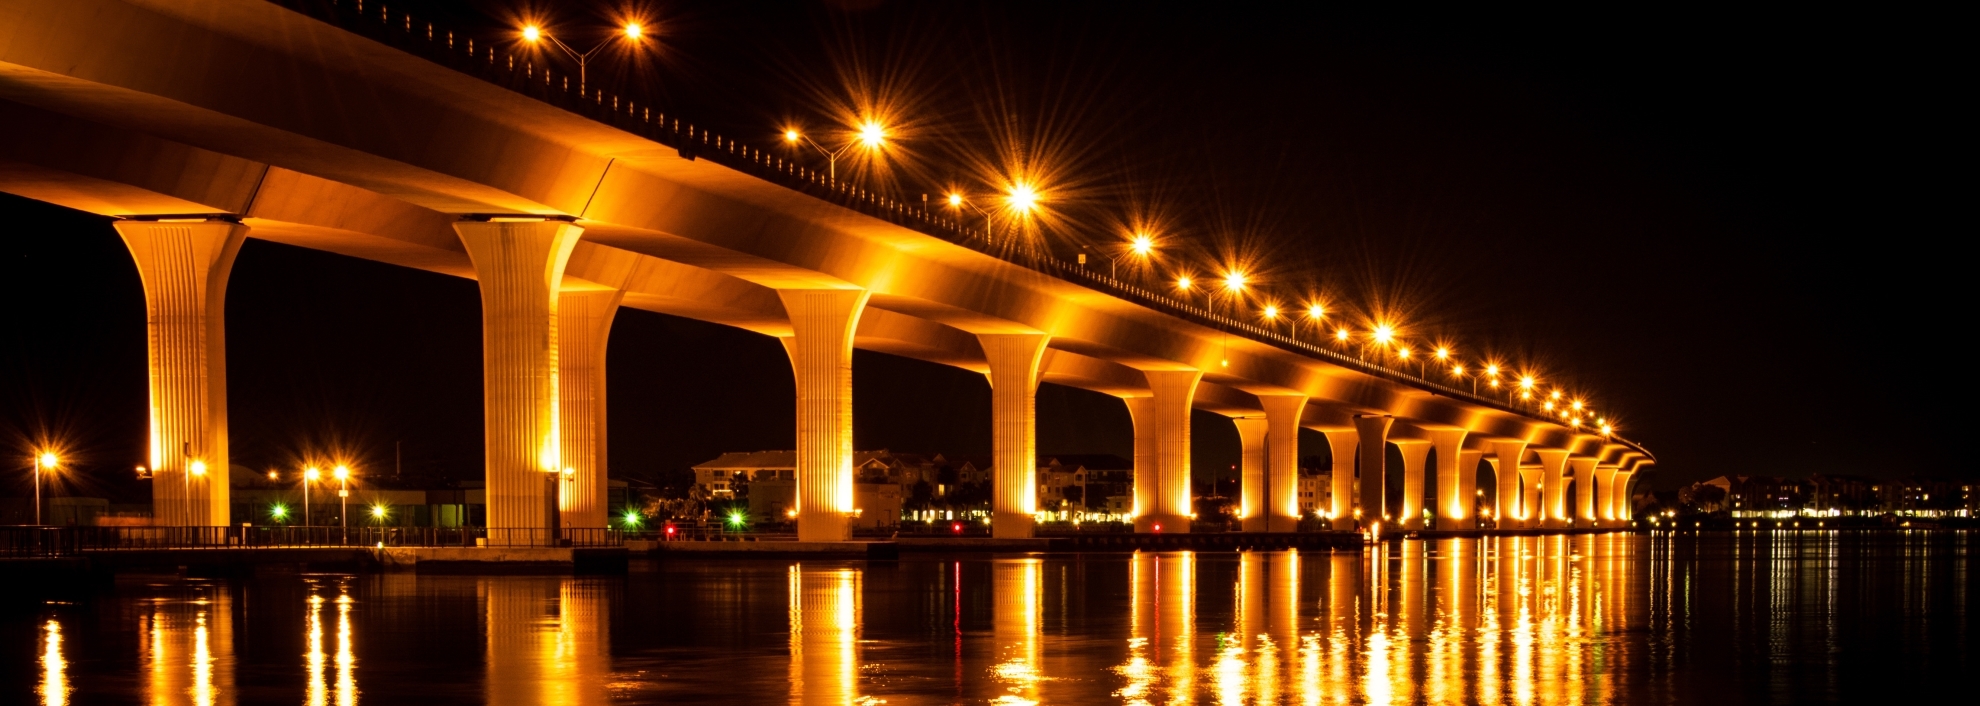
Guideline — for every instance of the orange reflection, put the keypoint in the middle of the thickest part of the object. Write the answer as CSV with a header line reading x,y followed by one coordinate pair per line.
x,y
186,648
1014,584
825,618
548,641
54,688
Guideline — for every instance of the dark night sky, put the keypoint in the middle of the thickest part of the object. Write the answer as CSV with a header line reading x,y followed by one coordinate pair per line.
x,y
1725,228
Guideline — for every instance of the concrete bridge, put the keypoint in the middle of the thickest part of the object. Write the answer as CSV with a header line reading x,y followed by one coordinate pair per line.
x,y
355,129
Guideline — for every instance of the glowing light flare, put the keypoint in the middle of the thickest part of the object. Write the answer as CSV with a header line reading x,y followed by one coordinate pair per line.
x,y
278,511
1402,353
1443,353
1457,370
197,468
1383,333
1492,370
48,459
1316,311
273,476
378,511
872,134
1183,283
1271,312
1576,405
1341,335
532,33
634,31
311,474
1234,282
1021,197
1526,382
955,200
342,473
791,136
1142,244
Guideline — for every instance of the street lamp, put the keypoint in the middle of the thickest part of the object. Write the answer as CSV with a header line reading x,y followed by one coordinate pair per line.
x,y
956,201
309,475
196,469
1140,246
632,32
48,460
343,474
1314,313
871,135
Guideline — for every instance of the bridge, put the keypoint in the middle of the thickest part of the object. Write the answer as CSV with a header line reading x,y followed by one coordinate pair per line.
x,y
352,128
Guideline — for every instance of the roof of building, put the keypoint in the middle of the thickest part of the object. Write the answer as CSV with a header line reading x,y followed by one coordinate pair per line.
x,y
751,461
1091,462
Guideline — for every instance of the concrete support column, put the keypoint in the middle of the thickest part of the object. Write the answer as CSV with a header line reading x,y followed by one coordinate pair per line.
x,y
820,346
1147,471
519,266
1530,480
1251,483
1175,391
1453,501
1553,486
1014,367
1341,495
1583,471
1505,475
1373,431
1624,511
1467,493
584,323
185,265
1605,496
1282,460
1414,453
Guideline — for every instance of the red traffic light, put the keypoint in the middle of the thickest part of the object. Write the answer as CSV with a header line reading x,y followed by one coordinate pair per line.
x,y
958,527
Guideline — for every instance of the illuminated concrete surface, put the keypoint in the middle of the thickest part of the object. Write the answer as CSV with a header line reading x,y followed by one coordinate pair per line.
x,y
354,147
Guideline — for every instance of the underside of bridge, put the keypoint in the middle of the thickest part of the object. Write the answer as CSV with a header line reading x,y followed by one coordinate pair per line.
x,y
201,124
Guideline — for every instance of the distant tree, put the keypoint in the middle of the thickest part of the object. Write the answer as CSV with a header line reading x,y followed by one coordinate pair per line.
x,y
921,495
675,483
1074,495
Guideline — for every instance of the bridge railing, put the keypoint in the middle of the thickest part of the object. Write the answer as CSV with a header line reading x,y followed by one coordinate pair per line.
x,y
488,61
20,541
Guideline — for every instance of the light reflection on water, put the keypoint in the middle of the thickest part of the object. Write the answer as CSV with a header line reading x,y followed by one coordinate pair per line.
x,y
1520,620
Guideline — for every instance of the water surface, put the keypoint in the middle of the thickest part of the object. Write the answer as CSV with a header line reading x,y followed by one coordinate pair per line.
x,y
1750,618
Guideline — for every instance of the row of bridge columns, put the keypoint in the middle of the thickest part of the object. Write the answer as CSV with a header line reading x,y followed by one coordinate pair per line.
x,y
544,388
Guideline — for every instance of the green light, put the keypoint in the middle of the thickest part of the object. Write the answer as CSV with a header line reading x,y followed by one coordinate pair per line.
x,y
278,512
738,518
632,518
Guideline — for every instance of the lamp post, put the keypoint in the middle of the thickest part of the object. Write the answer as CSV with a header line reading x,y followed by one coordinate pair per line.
x,y
343,474
309,476
957,202
48,460
533,34
1141,246
1314,313
195,469
871,134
